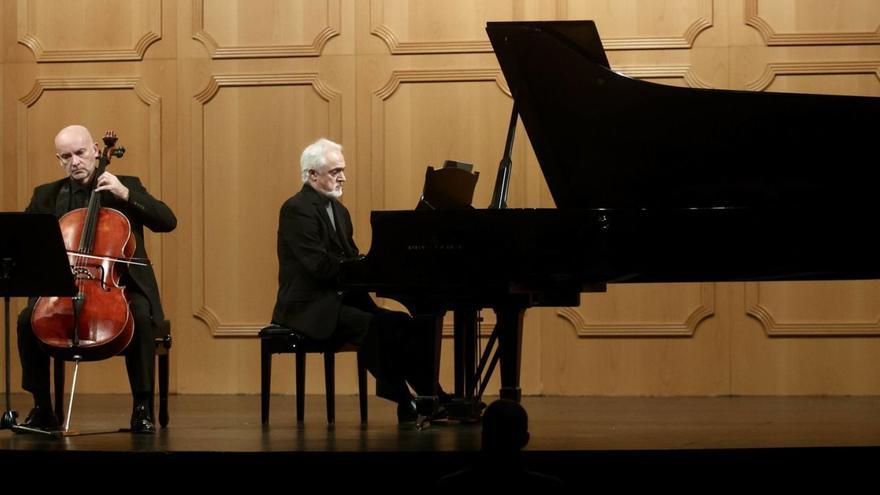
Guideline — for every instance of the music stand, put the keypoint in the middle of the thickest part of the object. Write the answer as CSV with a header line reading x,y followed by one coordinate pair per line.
x,y
33,262
450,188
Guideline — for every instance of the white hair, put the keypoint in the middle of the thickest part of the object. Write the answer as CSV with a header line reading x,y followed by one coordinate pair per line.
x,y
314,157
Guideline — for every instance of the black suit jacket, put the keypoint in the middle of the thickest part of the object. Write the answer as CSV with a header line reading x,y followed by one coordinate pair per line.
x,y
141,209
309,252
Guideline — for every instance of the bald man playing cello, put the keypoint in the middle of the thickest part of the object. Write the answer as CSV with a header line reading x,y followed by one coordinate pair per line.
x,y
77,155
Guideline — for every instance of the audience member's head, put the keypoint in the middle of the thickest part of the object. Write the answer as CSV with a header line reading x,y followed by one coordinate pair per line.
x,y
505,427
505,433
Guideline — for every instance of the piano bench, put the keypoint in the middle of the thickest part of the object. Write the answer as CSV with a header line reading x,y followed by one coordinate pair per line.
x,y
276,339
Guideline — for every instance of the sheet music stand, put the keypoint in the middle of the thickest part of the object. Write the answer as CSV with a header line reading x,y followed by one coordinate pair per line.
x,y
450,188
33,262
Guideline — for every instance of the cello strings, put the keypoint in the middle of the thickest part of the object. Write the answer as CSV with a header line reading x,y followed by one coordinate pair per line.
x,y
127,261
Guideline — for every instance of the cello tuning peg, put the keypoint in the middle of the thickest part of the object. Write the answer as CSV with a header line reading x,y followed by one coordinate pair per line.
x,y
118,152
110,138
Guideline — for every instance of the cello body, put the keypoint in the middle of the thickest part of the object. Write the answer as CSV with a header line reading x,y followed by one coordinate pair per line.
x,y
96,324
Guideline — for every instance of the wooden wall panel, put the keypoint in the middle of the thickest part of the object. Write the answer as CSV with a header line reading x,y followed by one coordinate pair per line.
x,y
265,28
424,27
815,22
455,26
4,171
3,118
860,78
423,117
672,310
215,100
695,364
612,344
815,308
814,339
5,175
89,30
643,24
237,200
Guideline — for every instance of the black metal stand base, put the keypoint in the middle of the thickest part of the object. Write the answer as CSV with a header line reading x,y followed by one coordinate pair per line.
x,y
36,431
64,434
8,420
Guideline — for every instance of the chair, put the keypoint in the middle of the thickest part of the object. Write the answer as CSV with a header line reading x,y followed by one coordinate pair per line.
x,y
162,340
275,339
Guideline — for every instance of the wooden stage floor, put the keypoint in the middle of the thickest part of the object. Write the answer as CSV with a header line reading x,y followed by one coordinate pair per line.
x,y
582,440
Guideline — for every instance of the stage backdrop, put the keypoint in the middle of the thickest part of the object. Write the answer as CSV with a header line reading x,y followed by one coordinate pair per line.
x,y
215,99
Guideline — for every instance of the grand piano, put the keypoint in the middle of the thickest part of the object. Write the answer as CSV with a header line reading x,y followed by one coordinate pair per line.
x,y
652,183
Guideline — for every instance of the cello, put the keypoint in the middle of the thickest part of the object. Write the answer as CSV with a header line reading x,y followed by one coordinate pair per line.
x,y
96,323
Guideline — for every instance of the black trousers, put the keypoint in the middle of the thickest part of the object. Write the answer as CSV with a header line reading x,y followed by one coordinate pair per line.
x,y
139,355
396,349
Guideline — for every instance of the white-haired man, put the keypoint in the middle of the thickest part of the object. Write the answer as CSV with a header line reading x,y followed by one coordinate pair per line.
x,y
315,234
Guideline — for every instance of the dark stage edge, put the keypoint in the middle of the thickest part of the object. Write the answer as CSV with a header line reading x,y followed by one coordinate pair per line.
x,y
595,443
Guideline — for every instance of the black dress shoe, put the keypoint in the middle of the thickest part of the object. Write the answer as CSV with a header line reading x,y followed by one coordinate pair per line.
x,y
142,420
406,411
42,418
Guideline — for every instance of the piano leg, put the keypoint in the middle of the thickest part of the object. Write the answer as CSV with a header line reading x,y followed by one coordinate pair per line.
x,y
510,322
465,351
465,406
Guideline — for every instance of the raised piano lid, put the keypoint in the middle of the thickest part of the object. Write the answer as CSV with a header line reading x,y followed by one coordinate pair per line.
x,y
604,140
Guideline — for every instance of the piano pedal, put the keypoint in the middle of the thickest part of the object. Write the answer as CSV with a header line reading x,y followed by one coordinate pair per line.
x,y
422,422
429,411
466,410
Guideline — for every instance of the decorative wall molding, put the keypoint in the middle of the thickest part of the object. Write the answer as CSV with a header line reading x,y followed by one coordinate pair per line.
x,y
774,328
772,38
399,77
705,20
133,83
664,72
396,46
772,70
201,309
266,51
686,328
30,40
221,328
242,80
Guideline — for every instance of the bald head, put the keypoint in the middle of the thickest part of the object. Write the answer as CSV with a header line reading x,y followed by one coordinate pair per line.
x,y
76,151
73,133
